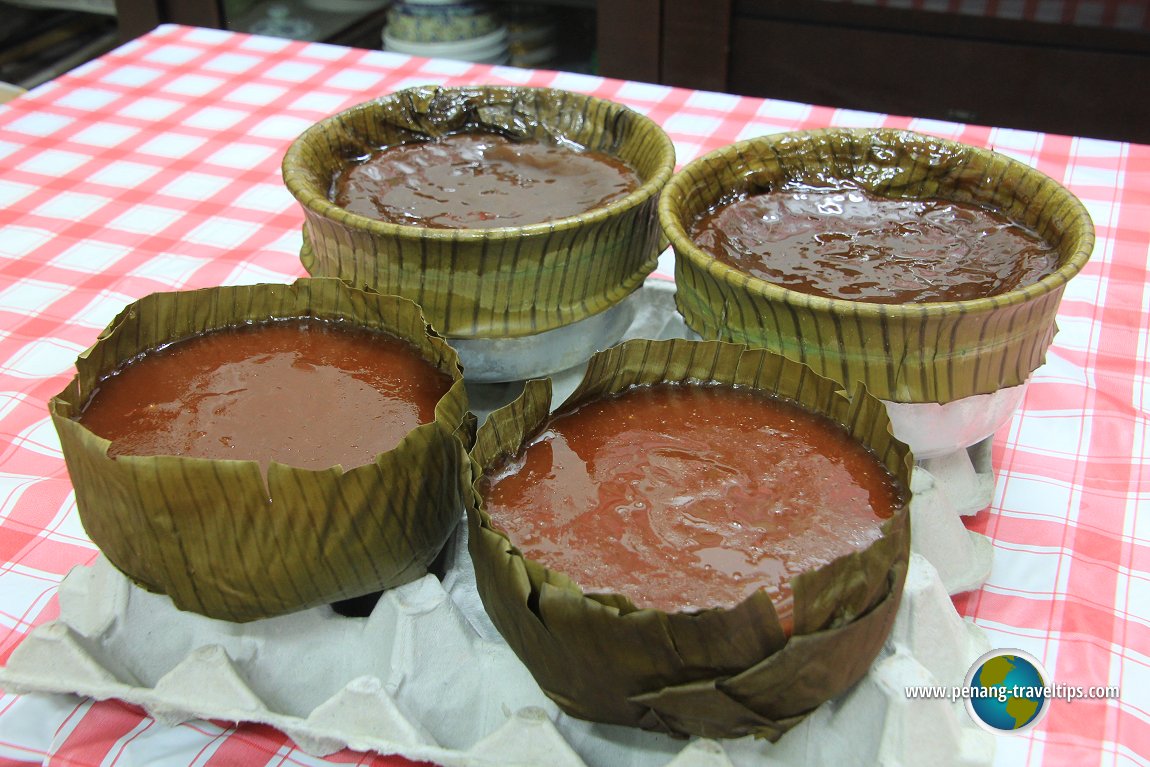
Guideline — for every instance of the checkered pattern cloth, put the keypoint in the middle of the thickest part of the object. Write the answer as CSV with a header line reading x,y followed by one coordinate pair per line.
x,y
156,167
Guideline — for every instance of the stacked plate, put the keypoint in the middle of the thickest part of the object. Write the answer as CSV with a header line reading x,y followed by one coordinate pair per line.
x,y
532,35
468,31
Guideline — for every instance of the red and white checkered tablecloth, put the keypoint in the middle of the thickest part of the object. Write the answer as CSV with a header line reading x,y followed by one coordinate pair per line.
x,y
157,167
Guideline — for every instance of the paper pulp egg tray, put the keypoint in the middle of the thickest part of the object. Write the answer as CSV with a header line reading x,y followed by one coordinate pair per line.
x,y
427,676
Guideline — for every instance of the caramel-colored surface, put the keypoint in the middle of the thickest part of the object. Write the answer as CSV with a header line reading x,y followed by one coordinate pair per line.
x,y
480,181
306,393
690,497
847,243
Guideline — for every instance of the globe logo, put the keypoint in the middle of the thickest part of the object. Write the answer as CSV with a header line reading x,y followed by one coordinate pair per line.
x,y
1007,691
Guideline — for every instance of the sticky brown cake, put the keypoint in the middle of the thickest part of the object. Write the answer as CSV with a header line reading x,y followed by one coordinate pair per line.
x,y
686,497
303,392
481,181
843,242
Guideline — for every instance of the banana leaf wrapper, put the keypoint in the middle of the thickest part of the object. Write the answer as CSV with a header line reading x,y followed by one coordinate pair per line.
x,y
495,283
922,352
721,672
210,533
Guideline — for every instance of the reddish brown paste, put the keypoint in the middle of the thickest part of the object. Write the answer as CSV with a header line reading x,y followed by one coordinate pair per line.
x,y
690,497
847,243
306,393
481,181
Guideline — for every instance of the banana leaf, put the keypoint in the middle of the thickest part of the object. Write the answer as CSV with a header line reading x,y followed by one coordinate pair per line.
x,y
919,352
721,672
494,283
216,538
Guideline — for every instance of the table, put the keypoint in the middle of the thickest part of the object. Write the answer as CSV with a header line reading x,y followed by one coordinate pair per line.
x,y
156,167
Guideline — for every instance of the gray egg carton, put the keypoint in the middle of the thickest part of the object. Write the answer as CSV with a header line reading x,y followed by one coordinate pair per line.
x,y
427,676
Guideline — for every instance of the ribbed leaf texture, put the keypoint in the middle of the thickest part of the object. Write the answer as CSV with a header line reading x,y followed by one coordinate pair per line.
x,y
922,352
493,283
210,533
716,673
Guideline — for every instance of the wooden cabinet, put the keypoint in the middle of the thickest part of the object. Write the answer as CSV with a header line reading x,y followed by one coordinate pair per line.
x,y
1057,75
42,39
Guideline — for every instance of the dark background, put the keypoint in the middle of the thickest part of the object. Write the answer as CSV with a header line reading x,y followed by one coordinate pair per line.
x,y
1079,67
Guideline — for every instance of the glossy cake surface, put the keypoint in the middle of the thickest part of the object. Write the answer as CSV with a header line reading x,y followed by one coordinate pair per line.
x,y
847,243
686,497
306,393
481,181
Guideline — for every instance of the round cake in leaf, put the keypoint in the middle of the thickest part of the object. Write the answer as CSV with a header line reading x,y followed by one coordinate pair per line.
x,y
256,450
519,218
927,269
703,539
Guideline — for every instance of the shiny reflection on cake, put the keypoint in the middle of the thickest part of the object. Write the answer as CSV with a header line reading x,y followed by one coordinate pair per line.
x,y
481,181
305,393
690,497
840,241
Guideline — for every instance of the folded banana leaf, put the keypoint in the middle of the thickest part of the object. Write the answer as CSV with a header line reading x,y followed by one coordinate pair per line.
x,y
920,352
217,538
494,283
715,673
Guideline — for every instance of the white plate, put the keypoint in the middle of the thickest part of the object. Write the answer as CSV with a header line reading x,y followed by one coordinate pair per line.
x,y
483,45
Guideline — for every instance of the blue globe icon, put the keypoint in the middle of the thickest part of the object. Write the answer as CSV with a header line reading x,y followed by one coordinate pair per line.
x,y
1007,691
